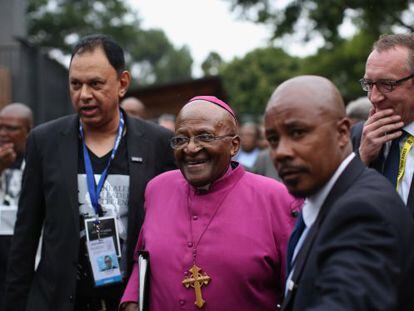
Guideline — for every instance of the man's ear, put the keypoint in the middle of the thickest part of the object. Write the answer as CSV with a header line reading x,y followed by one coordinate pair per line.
x,y
344,131
235,145
124,81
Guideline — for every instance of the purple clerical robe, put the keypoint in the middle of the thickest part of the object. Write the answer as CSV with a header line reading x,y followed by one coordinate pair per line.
x,y
244,221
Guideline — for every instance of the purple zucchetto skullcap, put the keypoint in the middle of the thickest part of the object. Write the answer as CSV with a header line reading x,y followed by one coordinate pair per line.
x,y
216,101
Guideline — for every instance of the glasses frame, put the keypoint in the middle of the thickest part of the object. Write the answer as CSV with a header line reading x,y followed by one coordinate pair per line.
x,y
11,128
382,89
197,141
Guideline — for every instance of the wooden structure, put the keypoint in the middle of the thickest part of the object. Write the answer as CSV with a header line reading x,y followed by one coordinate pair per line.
x,y
5,87
169,98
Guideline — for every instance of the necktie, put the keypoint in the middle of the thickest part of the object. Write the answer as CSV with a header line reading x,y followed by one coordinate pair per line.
x,y
293,241
393,160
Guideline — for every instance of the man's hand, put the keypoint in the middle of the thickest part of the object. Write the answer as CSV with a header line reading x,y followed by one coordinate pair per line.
x,y
381,126
7,156
130,306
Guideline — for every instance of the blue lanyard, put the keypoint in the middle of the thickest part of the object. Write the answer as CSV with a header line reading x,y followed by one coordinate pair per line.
x,y
94,191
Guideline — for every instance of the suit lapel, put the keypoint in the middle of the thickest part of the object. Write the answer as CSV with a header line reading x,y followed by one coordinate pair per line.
x,y
345,180
410,199
137,159
137,146
68,155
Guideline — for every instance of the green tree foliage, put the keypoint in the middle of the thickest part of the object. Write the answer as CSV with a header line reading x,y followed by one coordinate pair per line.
x,y
57,24
250,81
344,64
212,64
325,16
341,60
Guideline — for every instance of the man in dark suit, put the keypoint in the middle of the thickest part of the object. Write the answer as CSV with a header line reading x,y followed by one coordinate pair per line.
x,y
78,168
352,246
384,141
16,121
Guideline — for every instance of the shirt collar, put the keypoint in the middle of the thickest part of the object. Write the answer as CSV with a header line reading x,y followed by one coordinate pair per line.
x,y
314,203
409,128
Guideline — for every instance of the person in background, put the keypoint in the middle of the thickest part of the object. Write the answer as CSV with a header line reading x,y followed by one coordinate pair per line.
x,y
249,137
262,142
84,183
351,248
358,110
16,121
134,107
212,221
168,121
264,164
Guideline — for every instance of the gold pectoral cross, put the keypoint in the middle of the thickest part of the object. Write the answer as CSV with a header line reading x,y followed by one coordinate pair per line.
x,y
196,280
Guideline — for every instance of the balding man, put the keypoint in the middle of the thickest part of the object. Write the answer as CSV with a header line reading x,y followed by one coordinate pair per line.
x,y
214,240
249,139
16,121
352,245
133,107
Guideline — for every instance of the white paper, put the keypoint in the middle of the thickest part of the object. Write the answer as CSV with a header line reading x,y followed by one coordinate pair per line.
x,y
7,219
143,269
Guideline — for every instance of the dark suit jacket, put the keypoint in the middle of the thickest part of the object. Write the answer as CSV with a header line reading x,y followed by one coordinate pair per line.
x,y
49,198
378,163
358,255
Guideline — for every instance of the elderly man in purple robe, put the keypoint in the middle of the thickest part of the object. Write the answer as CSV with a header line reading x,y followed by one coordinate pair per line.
x,y
216,235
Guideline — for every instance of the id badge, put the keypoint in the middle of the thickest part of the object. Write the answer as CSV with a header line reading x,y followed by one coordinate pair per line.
x,y
102,241
104,261
7,219
104,228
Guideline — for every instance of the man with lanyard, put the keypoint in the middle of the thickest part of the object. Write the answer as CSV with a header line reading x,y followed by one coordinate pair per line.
x,y
84,182
384,141
16,121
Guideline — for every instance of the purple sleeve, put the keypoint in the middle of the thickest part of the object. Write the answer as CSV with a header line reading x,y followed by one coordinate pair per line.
x,y
132,289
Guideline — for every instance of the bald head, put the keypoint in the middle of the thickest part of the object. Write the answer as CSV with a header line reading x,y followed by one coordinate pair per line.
x,y
211,112
16,121
18,110
134,107
315,91
308,132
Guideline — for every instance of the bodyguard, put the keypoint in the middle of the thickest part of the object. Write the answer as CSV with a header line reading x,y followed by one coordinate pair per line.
x,y
352,246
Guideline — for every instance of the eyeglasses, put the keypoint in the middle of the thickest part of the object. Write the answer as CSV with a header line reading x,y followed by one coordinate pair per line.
x,y
178,142
10,128
383,85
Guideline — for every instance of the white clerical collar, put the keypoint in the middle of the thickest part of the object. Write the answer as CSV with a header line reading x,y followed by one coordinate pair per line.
x,y
314,203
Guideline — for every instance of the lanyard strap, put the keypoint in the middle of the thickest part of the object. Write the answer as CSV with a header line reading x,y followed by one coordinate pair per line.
x,y
403,158
94,191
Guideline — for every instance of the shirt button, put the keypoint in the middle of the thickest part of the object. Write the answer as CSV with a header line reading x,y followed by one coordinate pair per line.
x,y
190,244
181,302
195,217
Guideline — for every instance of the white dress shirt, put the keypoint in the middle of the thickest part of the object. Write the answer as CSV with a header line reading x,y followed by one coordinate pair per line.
x,y
405,184
311,208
